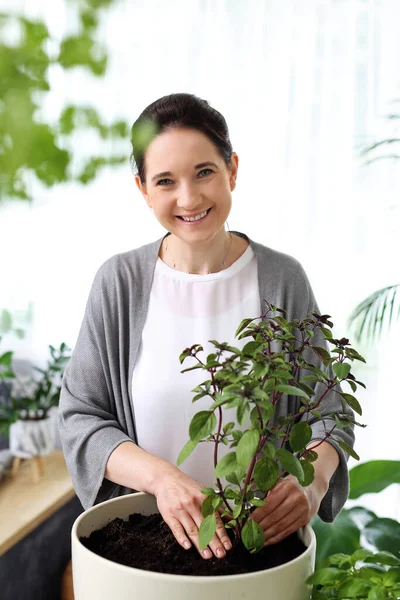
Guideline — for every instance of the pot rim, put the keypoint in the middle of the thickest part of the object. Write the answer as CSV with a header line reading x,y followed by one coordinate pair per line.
x,y
170,576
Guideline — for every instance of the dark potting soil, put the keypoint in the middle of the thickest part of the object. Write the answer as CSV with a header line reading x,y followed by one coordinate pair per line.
x,y
146,542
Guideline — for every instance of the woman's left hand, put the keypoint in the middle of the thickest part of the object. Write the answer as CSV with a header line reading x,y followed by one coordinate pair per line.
x,y
287,507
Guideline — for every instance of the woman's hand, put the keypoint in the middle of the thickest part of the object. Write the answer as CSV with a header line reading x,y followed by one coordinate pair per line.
x,y
287,507
179,501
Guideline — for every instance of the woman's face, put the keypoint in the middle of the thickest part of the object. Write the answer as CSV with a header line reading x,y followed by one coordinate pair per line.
x,y
179,183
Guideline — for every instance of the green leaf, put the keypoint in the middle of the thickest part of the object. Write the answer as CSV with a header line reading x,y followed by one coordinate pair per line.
x,y
392,577
6,358
321,353
360,554
341,370
257,502
373,476
216,502
251,348
242,326
260,370
300,435
352,402
253,536
226,466
310,455
384,534
207,507
242,412
327,332
377,593
236,476
290,463
202,425
327,575
354,588
266,473
5,321
208,491
184,355
228,427
308,470
247,447
348,449
207,530
291,390
383,558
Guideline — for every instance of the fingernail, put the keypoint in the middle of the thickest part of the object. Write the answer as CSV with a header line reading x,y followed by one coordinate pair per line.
x,y
228,545
206,553
186,545
220,553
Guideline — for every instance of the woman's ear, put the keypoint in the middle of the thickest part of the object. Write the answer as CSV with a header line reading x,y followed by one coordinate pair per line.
x,y
233,170
143,190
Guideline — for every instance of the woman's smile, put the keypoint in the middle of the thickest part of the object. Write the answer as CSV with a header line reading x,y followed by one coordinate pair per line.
x,y
195,220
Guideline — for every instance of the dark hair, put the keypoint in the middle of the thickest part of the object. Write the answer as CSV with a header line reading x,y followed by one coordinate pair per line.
x,y
171,112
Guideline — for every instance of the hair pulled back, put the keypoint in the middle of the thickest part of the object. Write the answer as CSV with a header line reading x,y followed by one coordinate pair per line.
x,y
176,111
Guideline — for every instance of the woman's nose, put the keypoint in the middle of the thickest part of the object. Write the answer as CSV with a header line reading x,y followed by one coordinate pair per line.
x,y
188,198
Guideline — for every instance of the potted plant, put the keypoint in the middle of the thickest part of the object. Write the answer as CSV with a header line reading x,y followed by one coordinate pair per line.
x,y
358,555
24,407
252,380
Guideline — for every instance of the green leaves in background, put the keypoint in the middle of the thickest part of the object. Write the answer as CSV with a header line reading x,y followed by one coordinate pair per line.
x,y
359,526
341,536
373,477
29,142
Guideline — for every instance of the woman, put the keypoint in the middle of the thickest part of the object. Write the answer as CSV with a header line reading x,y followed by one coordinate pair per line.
x,y
125,407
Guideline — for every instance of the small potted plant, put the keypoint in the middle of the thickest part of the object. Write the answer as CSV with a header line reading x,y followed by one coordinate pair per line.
x,y
276,363
25,406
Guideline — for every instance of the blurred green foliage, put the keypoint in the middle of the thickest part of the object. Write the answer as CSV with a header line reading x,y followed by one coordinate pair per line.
x,y
28,143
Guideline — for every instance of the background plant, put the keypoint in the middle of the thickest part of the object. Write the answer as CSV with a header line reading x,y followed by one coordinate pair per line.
x,y
32,399
253,380
31,143
382,306
358,555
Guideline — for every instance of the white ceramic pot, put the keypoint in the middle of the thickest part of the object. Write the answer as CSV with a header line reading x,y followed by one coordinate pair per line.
x,y
97,578
32,438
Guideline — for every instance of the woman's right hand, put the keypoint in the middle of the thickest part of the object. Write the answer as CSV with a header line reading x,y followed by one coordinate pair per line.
x,y
179,501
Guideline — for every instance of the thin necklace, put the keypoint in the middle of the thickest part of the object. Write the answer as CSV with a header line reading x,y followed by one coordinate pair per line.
x,y
208,273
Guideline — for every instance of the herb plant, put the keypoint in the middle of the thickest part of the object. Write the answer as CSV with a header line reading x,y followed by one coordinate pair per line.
x,y
279,360
363,574
32,399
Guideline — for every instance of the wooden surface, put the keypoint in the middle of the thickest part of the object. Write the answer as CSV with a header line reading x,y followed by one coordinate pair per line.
x,y
67,586
24,504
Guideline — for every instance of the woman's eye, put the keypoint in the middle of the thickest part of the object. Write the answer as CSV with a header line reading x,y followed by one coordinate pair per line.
x,y
160,182
211,171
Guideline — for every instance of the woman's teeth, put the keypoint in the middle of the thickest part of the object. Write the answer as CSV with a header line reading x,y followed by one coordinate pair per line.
x,y
191,219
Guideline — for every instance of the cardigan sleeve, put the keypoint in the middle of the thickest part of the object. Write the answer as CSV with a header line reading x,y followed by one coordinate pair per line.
x,y
89,428
338,491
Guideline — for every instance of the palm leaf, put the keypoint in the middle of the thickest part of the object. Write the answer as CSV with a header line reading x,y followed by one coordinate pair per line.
x,y
369,316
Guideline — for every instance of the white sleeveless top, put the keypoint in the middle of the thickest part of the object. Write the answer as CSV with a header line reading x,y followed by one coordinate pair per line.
x,y
184,310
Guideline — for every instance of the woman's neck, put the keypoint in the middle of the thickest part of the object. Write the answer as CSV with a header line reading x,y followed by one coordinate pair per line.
x,y
205,258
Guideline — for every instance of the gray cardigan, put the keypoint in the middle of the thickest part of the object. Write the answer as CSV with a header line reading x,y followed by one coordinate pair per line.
x,y
96,411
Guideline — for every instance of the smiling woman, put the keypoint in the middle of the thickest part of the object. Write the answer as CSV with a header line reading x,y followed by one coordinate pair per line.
x,y
124,414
